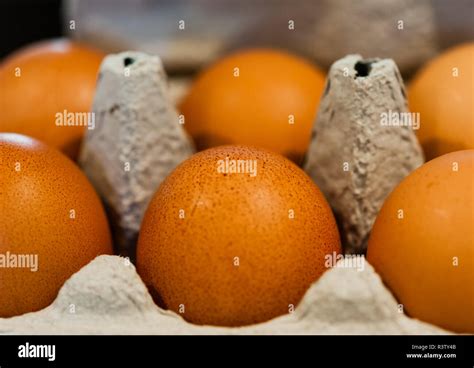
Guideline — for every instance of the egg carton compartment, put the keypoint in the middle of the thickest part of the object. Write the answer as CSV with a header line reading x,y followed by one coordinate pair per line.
x,y
107,296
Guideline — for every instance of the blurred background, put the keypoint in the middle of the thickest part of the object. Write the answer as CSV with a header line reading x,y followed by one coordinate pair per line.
x,y
188,34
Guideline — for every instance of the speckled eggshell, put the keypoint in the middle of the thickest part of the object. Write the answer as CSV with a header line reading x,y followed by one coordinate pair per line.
x,y
422,243
234,249
49,209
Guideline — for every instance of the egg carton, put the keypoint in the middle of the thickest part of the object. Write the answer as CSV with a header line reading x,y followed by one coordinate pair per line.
x,y
137,125
107,296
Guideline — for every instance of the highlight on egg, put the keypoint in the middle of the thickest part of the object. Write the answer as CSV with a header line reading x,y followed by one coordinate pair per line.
x,y
422,243
52,223
235,235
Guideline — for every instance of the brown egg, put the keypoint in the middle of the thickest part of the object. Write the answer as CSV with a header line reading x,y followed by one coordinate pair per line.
x,y
260,97
422,243
52,223
235,245
41,81
443,94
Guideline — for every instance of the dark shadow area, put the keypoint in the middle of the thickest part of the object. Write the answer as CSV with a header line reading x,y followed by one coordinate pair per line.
x,y
26,21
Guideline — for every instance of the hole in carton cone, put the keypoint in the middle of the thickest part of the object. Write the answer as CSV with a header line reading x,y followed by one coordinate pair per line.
x,y
363,68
